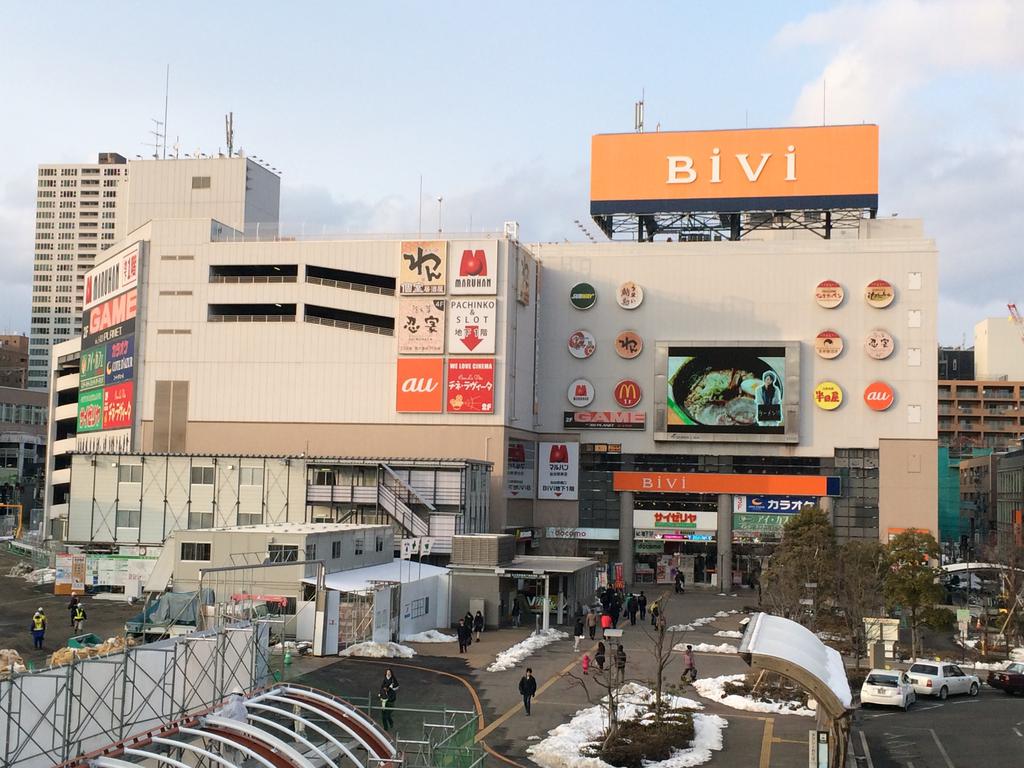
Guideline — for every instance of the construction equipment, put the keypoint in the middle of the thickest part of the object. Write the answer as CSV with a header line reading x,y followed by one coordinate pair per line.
x,y
1015,316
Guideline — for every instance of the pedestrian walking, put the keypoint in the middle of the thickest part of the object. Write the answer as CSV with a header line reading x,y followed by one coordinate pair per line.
x,y
388,695
468,618
632,608
78,617
585,662
578,634
599,656
616,610
655,610
478,625
465,636
517,612
620,663
71,609
642,603
528,689
680,582
606,623
592,624
689,666
38,628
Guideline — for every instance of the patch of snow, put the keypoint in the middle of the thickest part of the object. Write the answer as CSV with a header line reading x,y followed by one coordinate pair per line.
x,y
987,665
729,633
714,688
829,637
707,648
733,610
379,650
721,614
692,625
430,636
516,653
533,738
562,747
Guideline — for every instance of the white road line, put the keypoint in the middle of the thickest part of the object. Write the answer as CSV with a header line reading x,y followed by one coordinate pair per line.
x,y
867,752
925,709
1018,733
942,749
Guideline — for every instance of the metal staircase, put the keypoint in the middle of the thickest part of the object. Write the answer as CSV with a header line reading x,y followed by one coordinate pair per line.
x,y
396,497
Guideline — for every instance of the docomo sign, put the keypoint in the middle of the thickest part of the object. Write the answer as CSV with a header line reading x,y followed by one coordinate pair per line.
x,y
828,166
879,396
708,482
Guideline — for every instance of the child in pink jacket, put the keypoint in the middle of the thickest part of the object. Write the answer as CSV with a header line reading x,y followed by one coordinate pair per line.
x,y
586,663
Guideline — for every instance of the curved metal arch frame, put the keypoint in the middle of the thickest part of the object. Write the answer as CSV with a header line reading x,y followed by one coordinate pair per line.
x,y
340,724
348,711
310,724
233,744
244,729
277,726
195,748
165,759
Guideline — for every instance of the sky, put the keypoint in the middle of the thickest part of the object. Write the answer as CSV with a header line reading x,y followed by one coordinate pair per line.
x,y
494,105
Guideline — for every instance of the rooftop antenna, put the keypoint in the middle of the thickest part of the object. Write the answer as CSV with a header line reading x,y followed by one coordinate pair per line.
x,y
157,136
229,131
439,201
177,147
167,91
638,114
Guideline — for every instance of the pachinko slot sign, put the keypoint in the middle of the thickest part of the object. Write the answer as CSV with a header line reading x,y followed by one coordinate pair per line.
x,y
106,398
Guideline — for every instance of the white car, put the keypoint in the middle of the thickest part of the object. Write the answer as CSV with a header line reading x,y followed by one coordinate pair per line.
x,y
942,679
888,687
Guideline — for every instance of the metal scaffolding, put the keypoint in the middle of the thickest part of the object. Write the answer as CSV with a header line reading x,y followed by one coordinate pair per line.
x,y
54,714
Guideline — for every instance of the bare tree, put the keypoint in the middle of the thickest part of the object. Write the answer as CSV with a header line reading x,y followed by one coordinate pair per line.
x,y
861,568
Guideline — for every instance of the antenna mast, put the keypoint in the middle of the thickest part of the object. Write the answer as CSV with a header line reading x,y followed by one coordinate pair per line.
x,y
638,114
167,91
157,136
229,131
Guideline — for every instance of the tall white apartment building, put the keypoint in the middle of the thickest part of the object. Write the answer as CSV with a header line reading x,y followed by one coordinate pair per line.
x,y
78,206
83,208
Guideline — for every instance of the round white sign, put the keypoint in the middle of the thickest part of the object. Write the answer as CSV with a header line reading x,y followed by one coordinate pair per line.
x,y
581,393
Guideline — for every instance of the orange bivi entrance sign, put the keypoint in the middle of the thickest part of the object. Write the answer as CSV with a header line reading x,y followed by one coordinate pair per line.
x,y
742,170
706,482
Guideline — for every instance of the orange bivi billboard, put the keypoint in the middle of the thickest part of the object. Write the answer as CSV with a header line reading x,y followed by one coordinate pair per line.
x,y
709,482
818,168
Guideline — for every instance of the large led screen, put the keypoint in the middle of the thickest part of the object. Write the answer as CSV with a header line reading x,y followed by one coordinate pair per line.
x,y
728,391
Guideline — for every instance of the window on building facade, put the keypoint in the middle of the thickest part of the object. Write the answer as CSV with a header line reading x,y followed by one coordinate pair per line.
x,y
202,475
200,519
129,473
335,549
129,518
250,476
195,551
283,553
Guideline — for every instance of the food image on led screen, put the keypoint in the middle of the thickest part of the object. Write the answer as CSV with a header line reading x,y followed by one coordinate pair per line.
x,y
726,389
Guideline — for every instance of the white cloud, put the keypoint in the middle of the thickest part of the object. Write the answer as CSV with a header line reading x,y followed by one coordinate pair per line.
x,y
952,151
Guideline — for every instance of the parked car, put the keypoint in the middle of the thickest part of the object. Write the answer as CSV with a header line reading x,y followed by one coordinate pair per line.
x,y
888,687
1009,680
939,678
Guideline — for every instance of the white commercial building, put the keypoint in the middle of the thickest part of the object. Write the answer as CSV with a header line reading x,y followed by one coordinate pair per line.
x,y
998,350
83,208
658,399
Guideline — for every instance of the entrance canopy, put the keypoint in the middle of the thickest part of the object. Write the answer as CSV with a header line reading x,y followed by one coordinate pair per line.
x,y
783,646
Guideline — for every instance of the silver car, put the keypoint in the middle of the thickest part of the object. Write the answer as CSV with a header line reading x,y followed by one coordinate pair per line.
x,y
942,679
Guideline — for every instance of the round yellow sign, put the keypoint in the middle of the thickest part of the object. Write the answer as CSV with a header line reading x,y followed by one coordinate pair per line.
x,y
828,395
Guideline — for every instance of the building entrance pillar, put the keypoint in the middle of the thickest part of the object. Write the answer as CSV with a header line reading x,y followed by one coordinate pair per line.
x,y
626,535
724,565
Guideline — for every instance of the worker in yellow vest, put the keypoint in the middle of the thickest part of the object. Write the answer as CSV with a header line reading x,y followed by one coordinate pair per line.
x,y
38,628
77,617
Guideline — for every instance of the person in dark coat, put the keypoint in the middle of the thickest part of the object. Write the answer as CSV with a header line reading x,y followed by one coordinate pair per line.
x,y
468,618
71,608
517,612
642,605
388,696
680,582
631,608
620,663
465,636
528,689
599,656
616,608
478,624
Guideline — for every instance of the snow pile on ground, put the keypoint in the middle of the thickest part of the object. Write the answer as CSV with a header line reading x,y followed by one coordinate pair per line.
x,y
692,625
714,688
733,610
512,656
722,615
729,633
379,650
430,636
1017,654
707,648
562,747
829,637
42,576
987,665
